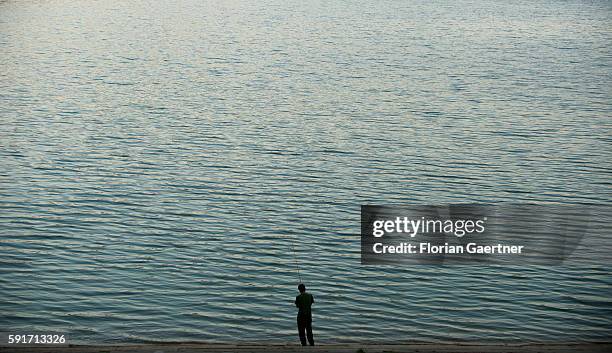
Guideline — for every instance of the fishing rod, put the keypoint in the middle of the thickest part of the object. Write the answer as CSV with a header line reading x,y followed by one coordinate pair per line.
x,y
295,260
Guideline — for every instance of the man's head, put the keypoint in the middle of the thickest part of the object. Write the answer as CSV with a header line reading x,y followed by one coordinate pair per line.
x,y
302,288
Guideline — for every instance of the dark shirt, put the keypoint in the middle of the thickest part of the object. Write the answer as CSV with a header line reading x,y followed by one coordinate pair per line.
x,y
304,301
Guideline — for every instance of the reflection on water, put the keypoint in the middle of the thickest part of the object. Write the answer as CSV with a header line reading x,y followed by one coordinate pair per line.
x,y
159,157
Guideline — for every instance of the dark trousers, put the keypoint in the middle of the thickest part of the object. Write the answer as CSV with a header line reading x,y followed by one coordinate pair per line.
x,y
305,328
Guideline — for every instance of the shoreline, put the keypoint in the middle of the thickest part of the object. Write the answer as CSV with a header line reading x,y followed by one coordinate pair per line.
x,y
325,348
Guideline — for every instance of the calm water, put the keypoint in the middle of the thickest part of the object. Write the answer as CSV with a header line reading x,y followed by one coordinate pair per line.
x,y
159,157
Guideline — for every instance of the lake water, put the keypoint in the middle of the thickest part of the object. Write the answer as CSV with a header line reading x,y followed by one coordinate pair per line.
x,y
159,158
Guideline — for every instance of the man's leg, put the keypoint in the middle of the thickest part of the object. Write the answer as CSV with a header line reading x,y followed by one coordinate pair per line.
x,y
301,328
309,331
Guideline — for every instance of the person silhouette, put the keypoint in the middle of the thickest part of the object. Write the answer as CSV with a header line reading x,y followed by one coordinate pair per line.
x,y
304,317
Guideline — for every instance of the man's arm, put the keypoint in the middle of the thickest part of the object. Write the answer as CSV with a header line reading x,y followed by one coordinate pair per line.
x,y
311,299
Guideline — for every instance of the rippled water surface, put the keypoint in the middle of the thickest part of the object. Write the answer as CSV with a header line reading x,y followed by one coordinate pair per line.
x,y
159,157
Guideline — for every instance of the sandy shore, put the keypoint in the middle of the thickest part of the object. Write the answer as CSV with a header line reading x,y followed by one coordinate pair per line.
x,y
334,348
